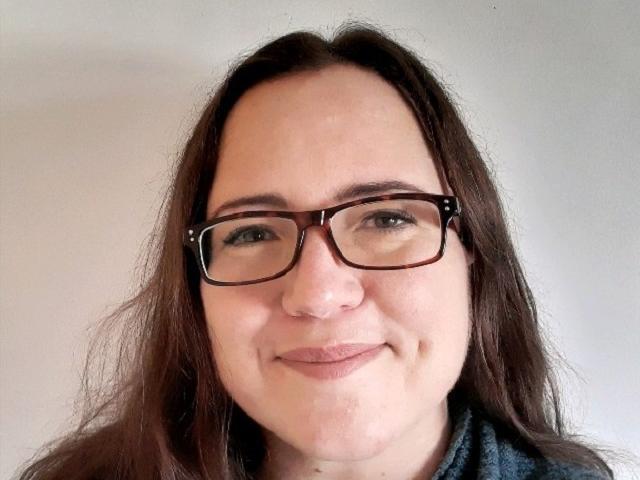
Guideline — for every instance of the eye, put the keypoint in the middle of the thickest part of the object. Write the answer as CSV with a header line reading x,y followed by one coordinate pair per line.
x,y
249,235
389,219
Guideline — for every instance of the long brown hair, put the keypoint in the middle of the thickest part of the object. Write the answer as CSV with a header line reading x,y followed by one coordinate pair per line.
x,y
167,415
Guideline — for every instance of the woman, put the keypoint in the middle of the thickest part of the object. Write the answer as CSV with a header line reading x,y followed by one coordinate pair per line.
x,y
335,294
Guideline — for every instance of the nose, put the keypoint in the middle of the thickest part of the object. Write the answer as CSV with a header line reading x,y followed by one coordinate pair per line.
x,y
320,285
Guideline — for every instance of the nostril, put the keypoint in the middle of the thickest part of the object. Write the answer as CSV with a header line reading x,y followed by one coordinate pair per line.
x,y
321,296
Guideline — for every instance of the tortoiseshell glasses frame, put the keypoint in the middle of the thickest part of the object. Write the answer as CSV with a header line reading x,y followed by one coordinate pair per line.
x,y
448,208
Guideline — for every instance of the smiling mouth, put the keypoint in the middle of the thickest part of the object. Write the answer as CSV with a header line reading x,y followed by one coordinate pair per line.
x,y
329,353
331,363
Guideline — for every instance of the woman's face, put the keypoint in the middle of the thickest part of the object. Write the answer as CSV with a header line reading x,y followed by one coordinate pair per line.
x,y
305,138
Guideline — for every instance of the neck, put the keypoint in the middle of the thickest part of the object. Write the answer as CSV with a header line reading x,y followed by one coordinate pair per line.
x,y
413,456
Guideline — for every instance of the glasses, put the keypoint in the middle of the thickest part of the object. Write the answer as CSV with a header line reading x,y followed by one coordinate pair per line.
x,y
396,231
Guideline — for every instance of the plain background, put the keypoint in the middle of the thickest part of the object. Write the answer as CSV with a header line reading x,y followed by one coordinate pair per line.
x,y
98,96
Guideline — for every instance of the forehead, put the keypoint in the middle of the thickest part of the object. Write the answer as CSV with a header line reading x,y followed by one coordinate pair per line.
x,y
307,136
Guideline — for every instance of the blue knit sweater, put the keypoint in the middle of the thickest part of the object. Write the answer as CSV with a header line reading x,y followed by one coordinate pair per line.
x,y
480,450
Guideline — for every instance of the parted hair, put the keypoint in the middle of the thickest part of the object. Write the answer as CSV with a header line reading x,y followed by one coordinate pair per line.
x,y
164,413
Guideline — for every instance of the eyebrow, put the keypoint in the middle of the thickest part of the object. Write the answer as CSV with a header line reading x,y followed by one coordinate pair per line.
x,y
350,192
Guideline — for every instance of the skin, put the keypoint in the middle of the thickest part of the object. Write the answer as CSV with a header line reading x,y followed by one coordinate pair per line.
x,y
305,137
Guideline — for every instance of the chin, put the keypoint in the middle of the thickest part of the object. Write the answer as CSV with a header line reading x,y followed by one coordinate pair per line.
x,y
333,441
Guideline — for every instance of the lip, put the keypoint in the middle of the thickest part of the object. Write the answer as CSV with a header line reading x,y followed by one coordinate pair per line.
x,y
333,362
332,353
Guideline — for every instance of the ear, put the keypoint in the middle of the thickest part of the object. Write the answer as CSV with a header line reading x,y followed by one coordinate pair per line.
x,y
464,240
468,253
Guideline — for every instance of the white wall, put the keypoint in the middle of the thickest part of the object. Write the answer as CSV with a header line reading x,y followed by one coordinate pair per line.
x,y
97,98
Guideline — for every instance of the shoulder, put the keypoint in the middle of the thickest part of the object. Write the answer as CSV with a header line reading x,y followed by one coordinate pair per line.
x,y
550,470
484,449
513,458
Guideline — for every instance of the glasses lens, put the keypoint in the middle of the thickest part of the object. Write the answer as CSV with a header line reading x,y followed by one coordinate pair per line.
x,y
248,249
388,233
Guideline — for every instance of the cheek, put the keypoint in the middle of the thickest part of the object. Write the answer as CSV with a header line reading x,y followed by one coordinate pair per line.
x,y
235,326
427,311
425,298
